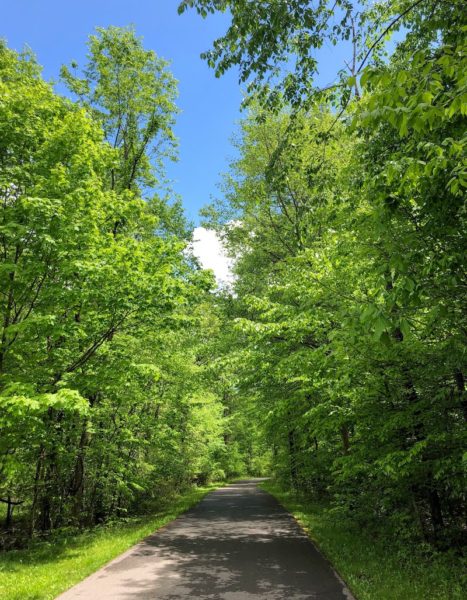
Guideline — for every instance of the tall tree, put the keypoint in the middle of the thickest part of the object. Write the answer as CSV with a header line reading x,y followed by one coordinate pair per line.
x,y
98,367
131,94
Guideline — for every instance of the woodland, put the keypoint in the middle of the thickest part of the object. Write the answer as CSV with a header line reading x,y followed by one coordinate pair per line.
x,y
335,362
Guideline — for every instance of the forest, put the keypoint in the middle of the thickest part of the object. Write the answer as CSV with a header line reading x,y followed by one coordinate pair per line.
x,y
335,362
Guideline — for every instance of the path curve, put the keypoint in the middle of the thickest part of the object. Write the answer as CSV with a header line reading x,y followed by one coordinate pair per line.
x,y
238,543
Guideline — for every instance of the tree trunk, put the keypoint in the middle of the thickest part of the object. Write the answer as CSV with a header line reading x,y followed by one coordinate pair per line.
x,y
460,383
9,512
293,459
35,497
345,434
435,511
45,519
77,482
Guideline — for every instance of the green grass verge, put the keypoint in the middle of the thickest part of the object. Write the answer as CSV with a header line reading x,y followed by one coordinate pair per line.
x,y
48,568
376,567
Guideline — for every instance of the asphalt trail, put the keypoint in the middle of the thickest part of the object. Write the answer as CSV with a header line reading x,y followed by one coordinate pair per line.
x,y
236,544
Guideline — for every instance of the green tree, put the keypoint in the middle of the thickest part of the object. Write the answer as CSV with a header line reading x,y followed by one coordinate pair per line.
x,y
276,45
131,94
348,239
96,377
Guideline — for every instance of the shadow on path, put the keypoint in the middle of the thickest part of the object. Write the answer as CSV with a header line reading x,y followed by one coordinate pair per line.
x,y
236,544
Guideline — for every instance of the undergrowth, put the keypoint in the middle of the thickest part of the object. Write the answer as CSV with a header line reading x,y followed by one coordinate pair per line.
x,y
47,568
375,564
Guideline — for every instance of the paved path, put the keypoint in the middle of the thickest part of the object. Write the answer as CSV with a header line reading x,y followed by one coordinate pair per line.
x,y
236,544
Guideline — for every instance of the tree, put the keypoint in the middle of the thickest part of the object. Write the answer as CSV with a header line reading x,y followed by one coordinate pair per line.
x,y
275,44
355,386
347,233
131,94
96,377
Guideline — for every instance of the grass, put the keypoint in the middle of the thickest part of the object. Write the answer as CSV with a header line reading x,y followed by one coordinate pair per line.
x,y
47,568
377,567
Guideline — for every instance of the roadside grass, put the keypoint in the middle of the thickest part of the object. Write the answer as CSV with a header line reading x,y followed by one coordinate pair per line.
x,y
47,568
376,567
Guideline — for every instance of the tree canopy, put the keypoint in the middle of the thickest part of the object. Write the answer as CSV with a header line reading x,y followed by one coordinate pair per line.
x,y
345,213
336,360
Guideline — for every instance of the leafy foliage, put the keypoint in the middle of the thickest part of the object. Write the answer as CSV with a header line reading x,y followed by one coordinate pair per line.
x,y
103,404
349,301
337,360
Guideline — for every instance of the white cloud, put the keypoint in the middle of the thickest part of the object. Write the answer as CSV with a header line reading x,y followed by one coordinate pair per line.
x,y
208,249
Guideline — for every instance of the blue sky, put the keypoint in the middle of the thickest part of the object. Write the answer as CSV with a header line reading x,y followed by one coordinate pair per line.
x,y
57,30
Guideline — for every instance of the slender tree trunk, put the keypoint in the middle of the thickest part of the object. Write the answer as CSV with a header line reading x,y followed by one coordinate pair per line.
x,y
45,518
460,383
293,459
435,511
9,513
35,496
78,478
345,434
